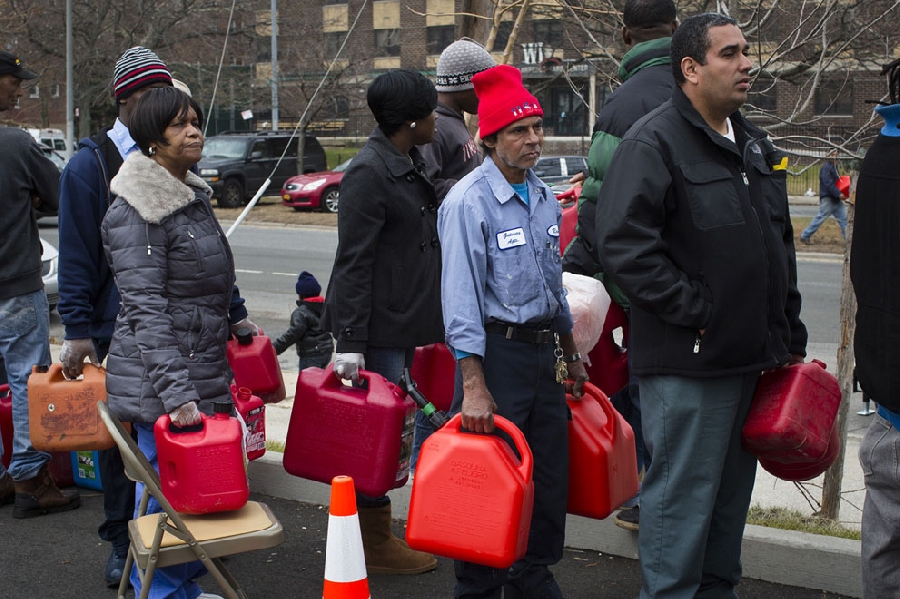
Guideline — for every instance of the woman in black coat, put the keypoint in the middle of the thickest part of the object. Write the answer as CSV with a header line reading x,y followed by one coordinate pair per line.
x,y
384,296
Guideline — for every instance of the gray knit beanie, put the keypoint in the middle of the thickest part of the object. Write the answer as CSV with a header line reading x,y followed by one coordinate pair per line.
x,y
458,62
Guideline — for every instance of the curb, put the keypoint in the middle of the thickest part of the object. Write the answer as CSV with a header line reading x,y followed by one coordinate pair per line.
x,y
785,557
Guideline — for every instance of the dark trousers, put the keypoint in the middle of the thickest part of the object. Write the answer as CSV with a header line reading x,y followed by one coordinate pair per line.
x,y
522,381
118,491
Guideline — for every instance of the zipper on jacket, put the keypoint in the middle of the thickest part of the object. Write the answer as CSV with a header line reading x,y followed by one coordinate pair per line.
x,y
697,344
147,232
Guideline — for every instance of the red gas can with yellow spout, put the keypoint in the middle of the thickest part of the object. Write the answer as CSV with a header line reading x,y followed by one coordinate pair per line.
x,y
472,498
602,464
364,431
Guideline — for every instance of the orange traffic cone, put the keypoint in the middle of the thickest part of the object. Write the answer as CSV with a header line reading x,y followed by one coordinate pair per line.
x,y
345,561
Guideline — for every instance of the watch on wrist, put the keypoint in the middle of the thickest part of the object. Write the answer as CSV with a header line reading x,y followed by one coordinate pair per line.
x,y
572,358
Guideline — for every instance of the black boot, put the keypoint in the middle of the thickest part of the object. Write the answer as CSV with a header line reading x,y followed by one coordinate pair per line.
x,y
40,495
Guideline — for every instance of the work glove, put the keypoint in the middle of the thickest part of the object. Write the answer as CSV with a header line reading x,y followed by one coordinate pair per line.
x,y
347,366
244,324
185,415
72,356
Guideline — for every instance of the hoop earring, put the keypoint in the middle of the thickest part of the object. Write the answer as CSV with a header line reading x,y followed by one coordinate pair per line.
x,y
412,125
152,151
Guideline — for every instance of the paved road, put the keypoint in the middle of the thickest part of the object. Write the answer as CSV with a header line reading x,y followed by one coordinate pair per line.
x,y
60,556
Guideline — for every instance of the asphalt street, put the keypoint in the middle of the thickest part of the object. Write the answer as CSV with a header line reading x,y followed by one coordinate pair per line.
x,y
61,556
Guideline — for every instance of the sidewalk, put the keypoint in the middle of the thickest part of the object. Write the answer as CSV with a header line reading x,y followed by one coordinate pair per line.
x,y
785,557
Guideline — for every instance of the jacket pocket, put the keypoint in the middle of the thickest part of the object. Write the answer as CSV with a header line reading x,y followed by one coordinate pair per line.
x,y
773,184
710,191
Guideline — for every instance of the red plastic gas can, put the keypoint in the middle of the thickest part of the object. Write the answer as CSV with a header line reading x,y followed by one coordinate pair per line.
x,y
253,410
609,360
472,498
255,365
792,419
434,371
602,464
202,468
364,432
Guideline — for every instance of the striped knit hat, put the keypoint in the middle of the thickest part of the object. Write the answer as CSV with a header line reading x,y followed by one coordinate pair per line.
x,y
137,68
458,62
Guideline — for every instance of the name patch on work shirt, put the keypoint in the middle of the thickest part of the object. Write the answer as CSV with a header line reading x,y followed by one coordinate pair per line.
x,y
553,231
511,238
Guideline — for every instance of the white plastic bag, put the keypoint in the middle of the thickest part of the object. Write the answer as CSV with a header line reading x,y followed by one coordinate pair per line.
x,y
589,303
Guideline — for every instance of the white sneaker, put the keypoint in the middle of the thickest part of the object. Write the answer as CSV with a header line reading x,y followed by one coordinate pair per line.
x,y
209,596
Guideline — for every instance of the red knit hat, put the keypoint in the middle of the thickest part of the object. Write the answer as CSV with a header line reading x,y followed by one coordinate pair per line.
x,y
502,99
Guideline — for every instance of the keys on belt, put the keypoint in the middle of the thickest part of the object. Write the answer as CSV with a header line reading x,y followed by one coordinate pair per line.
x,y
518,332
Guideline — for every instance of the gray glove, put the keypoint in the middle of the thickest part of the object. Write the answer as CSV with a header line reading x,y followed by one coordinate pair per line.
x,y
254,330
72,356
185,415
347,366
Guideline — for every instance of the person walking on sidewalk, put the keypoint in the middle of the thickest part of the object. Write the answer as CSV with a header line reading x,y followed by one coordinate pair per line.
x,y
314,345
508,322
384,298
831,202
701,243
647,82
29,183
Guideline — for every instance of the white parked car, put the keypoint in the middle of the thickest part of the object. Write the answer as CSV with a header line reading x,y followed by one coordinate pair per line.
x,y
49,270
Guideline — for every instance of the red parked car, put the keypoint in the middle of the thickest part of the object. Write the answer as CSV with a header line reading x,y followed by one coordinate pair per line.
x,y
315,190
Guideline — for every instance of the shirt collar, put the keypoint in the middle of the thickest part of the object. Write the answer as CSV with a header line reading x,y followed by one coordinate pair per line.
x,y
501,188
122,139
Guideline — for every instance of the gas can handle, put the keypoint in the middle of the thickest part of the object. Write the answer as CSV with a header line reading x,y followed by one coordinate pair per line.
x,y
333,381
596,394
525,466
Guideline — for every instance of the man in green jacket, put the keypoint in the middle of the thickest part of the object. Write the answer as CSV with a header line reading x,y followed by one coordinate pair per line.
x,y
647,82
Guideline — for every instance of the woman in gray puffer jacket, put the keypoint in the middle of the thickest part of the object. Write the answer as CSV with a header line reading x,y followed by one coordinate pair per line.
x,y
175,274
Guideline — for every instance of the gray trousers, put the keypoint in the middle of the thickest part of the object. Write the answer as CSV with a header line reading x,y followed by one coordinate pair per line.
x,y
695,496
879,453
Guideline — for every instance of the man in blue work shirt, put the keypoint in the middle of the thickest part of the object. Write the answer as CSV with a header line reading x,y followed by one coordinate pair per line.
x,y
512,336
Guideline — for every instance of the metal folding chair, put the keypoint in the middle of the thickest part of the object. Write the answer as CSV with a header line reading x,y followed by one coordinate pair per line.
x,y
169,538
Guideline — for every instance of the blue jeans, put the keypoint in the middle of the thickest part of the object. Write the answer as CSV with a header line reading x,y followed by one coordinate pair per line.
x,y
24,342
878,454
171,582
827,207
695,496
389,362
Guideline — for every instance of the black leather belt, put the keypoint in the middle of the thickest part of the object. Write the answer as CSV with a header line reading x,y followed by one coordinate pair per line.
x,y
519,332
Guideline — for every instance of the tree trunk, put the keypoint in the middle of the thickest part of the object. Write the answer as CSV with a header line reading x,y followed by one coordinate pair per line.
x,y
831,488
301,145
472,26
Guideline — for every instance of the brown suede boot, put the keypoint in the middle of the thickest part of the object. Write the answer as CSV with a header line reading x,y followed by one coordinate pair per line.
x,y
385,553
40,495
7,489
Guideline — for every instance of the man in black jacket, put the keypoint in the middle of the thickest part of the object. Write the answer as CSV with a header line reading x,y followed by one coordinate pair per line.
x,y
693,225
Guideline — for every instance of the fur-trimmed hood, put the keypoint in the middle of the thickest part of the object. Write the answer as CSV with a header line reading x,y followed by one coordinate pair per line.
x,y
152,190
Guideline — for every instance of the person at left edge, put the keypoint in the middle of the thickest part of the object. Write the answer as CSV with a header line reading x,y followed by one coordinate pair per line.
x,y
29,182
89,300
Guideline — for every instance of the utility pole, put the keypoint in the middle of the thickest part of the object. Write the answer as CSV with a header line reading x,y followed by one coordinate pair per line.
x,y
70,92
274,65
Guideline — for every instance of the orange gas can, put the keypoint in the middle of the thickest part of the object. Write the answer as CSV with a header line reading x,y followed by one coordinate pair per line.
x,y
602,464
472,498
63,414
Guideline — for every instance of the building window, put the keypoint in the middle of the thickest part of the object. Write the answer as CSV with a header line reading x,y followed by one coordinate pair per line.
x,y
333,42
439,38
504,30
834,97
54,91
549,31
387,42
335,1
34,92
